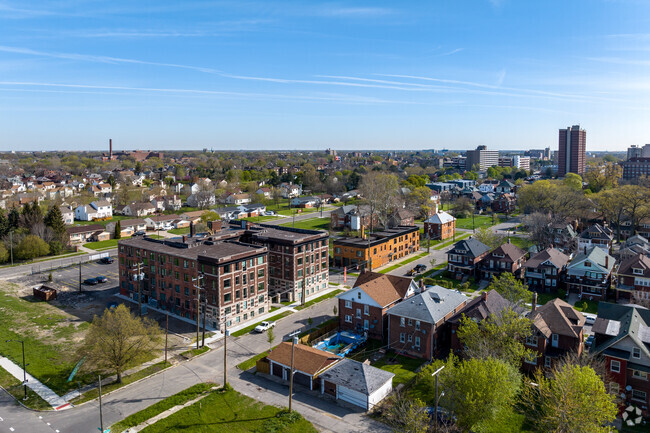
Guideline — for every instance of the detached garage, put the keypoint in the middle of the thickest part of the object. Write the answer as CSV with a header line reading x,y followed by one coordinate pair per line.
x,y
357,383
308,363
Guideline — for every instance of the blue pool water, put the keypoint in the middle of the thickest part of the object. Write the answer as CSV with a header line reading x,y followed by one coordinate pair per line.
x,y
341,343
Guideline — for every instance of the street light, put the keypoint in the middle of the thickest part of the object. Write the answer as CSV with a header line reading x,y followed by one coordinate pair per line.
x,y
435,373
24,365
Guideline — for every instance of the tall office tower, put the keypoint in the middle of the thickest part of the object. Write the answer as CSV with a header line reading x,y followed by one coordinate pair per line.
x,y
482,158
571,154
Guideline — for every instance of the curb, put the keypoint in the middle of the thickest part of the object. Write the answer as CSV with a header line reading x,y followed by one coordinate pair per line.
x,y
23,405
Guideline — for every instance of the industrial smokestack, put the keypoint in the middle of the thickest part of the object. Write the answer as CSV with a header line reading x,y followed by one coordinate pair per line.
x,y
110,148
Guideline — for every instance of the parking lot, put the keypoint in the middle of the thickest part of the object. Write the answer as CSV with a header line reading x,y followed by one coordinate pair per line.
x,y
70,276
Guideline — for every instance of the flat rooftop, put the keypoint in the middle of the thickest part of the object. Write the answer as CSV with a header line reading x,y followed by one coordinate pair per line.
x,y
192,248
377,237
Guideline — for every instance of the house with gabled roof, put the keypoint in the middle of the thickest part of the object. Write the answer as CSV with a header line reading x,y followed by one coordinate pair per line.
x,y
440,225
633,279
353,217
544,271
363,308
557,331
590,274
622,338
308,363
504,258
464,257
596,236
418,325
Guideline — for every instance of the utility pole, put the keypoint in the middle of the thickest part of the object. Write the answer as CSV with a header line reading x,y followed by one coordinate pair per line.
x,y
79,275
11,246
197,285
437,398
225,351
166,334
101,418
294,339
205,307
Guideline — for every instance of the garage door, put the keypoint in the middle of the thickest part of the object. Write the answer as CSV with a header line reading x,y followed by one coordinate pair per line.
x,y
354,397
302,379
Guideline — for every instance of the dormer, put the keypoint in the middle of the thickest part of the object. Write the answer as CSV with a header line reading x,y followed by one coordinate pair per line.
x,y
637,271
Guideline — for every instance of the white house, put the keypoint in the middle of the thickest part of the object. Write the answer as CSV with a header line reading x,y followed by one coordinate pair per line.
x,y
266,192
238,199
68,214
96,209
128,227
139,209
290,190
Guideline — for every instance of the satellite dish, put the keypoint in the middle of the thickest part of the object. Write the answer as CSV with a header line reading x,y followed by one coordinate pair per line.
x,y
628,388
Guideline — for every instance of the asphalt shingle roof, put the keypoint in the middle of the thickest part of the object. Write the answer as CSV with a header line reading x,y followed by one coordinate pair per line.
x,y
357,376
430,306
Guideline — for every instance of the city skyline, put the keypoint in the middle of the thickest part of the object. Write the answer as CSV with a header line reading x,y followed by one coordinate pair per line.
x,y
288,75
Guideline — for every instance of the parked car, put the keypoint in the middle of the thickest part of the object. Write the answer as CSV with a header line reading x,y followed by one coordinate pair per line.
x,y
107,260
264,326
589,341
411,272
590,319
140,233
168,227
101,279
269,213
90,281
420,268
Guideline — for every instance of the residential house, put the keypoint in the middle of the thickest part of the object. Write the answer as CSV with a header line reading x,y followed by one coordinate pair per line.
x,y
545,271
353,217
590,274
266,192
485,202
418,326
95,210
401,217
440,226
633,246
88,233
356,383
622,338
557,331
487,186
308,363
478,309
128,227
505,187
290,190
201,200
504,258
139,210
563,236
363,308
596,236
305,202
464,257
160,221
67,214
505,203
167,202
238,199
633,279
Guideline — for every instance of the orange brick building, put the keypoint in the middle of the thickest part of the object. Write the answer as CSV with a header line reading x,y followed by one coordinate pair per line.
x,y
377,249
441,225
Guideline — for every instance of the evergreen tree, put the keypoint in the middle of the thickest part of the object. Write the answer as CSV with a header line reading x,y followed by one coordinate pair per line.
x,y
118,230
4,224
54,220
14,218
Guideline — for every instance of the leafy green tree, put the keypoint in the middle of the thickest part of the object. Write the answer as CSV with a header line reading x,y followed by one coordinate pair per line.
x,y
571,399
118,230
54,220
511,288
573,181
488,237
56,247
119,340
30,247
270,337
407,414
4,253
500,336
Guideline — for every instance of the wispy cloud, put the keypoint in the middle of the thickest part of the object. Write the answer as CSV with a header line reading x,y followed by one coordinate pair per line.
x,y
449,53
620,61
501,76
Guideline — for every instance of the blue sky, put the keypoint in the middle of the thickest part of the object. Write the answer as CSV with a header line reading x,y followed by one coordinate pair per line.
x,y
310,75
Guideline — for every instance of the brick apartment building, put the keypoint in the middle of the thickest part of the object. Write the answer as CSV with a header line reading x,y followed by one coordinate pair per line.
x,y
363,308
440,226
376,249
234,277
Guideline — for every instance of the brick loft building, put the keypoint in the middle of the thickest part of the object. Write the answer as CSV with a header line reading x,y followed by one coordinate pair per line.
x,y
557,330
622,337
233,274
363,308
377,249
419,326
440,226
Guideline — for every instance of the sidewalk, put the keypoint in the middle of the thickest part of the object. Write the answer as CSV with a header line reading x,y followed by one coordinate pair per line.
x,y
58,403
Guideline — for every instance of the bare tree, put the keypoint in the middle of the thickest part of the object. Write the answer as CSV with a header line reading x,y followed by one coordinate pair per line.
x,y
379,191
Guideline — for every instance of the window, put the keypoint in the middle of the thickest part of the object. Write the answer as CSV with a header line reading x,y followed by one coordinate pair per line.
x,y
417,325
366,310
531,340
348,304
410,322
638,395
417,342
402,322
615,366
358,313
227,297
348,318
366,324
531,359
614,388
636,353
359,295
410,338
640,374
226,283
401,337
547,361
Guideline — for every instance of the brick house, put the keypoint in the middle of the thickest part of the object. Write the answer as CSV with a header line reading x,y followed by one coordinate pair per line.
x,y
480,308
401,217
622,337
440,226
545,270
633,282
504,258
418,326
504,203
353,217
464,257
590,274
364,307
557,330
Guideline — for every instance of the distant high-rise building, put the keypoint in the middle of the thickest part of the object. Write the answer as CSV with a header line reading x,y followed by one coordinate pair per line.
x,y
571,153
482,158
638,162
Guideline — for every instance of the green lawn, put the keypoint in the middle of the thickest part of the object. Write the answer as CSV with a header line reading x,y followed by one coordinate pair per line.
x,y
586,306
448,242
14,387
403,262
479,221
445,280
250,363
403,367
114,219
310,224
50,338
319,299
102,245
248,329
174,400
426,274
231,412
522,243
543,298
183,231
194,352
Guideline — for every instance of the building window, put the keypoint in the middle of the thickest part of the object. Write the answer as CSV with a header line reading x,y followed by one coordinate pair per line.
x,y
636,353
531,340
614,388
366,310
417,342
226,283
615,366
358,313
547,361
640,374
531,359
410,338
401,337
402,322
638,395
417,325
348,318
366,324
348,304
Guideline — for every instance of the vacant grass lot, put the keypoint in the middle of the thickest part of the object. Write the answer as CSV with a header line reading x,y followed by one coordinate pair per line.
x,y
51,339
479,221
402,366
102,245
310,224
183,231
230,412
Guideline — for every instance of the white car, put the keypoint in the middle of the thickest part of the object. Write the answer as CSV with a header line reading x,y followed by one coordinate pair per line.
x,y
590,319
264,326
269,213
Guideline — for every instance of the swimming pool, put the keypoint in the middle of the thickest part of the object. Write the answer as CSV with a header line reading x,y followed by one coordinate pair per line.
x,y
341,343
